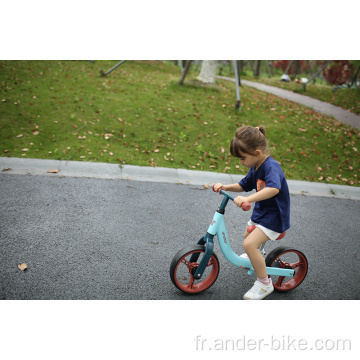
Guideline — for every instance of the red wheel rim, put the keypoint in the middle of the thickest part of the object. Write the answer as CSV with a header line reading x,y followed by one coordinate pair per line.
x,y
190,284
298,263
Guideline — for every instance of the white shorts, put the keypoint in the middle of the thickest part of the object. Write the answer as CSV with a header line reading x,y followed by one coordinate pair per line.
x,y
272,235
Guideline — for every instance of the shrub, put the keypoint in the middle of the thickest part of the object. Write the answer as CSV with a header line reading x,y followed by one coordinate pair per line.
x,y
338,72
283,64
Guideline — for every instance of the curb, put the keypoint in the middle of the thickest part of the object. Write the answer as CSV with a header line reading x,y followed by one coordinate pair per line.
x,y
64,168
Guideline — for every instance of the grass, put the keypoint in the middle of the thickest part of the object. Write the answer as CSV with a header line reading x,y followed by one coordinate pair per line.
x,y
139,115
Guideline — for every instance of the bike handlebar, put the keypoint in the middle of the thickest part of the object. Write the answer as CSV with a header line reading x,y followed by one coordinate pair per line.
x,y
245,205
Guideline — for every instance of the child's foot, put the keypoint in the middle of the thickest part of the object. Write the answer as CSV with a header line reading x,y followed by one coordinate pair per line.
x,y
259,291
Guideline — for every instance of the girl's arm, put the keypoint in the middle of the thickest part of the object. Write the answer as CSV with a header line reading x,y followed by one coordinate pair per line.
x,y
264,194
232,187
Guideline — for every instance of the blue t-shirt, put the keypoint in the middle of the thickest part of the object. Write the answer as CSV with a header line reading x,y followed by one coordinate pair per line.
x,y
273,213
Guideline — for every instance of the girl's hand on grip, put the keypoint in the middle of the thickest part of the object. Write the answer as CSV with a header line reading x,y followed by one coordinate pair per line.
x,y
239,200
217,187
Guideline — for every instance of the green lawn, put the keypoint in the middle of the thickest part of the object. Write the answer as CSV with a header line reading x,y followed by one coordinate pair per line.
x,y
139,115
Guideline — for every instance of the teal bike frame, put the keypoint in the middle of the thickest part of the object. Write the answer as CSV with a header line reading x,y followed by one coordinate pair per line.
x,y
217,227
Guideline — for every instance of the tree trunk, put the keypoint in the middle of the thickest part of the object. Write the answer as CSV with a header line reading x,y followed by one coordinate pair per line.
x,y
208,71
297,67
257,71
241,65
252,66
185,71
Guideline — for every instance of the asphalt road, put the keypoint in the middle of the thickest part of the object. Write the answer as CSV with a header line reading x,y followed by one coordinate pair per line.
x,y
114,239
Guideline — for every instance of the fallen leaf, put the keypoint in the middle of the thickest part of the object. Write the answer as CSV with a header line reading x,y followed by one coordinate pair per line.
x,y
19,136
22,266
53,171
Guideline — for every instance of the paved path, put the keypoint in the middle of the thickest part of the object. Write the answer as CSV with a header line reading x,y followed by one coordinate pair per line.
x,y
322,107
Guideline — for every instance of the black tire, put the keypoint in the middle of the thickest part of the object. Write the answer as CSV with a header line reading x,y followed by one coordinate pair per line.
x,y
182,270
287,257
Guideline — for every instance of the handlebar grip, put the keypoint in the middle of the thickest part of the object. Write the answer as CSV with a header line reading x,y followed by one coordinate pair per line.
x,y
246,206
214,190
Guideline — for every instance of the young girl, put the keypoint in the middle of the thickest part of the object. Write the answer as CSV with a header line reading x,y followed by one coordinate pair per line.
x,y
271,215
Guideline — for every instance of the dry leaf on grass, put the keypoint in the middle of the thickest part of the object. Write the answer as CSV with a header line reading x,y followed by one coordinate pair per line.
x,y
22,266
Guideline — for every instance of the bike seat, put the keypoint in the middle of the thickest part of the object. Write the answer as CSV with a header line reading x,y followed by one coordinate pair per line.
x,y
251,228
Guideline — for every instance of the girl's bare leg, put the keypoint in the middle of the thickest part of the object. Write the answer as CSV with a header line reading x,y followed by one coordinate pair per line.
x,y
251,244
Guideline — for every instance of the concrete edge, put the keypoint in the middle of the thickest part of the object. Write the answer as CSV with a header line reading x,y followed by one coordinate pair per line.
x,y
63,168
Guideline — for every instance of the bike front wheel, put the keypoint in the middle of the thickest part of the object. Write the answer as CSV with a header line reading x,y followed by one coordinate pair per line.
x,y
183,268
288,258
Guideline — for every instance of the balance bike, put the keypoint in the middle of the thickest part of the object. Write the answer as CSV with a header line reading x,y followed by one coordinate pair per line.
x,y
195,268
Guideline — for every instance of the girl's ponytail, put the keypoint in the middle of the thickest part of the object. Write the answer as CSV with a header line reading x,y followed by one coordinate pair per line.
x,y
261,129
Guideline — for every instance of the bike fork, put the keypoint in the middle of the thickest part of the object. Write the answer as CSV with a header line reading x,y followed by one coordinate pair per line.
x,y
207,240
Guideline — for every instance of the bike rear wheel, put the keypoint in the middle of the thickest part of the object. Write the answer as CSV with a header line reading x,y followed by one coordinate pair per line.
x,y
289,258
182,270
